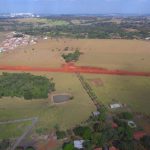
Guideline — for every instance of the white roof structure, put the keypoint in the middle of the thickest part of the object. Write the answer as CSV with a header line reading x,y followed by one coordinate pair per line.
x,y
1,49
78,144
131,124
117,105
148,38
96,113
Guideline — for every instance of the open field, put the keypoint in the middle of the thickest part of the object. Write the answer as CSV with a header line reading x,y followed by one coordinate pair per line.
x,y
130,55
133,91
65,115
48,22
13,130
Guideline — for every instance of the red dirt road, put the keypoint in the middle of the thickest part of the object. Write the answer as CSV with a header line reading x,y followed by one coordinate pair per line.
x,y
71,68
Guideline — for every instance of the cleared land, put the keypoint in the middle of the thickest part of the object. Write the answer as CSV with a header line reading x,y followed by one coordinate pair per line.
x,y
130,55
133,91
65,115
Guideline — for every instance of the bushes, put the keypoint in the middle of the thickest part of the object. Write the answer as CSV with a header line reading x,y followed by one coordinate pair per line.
x,y
126,115
84,132
68,146
25,85
72,56
61,134
145,141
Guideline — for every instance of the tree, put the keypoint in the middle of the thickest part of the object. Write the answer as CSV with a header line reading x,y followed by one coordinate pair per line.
x,y
99,139
88,145
126,145
68,146
126,115
60,134
84,132
125,132
145,141
4,144
102,115
28,95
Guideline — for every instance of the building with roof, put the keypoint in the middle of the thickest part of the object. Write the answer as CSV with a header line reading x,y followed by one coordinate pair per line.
x,y
96,113
78,144
116,105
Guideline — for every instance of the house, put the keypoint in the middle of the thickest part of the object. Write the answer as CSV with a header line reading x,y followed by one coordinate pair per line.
x,y
96,113
138,135
78,144
148,38
116,105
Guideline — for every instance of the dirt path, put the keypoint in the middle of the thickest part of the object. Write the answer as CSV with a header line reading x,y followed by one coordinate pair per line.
x,y
71,68
27,130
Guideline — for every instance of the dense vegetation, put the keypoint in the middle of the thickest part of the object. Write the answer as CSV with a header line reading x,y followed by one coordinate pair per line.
x,y
71,56
82,27
25,85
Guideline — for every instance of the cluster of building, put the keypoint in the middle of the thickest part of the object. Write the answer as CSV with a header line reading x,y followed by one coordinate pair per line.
x,y
14,40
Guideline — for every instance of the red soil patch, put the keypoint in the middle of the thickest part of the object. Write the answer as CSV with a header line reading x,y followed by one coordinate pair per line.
x,y
138,135
96,82
75,69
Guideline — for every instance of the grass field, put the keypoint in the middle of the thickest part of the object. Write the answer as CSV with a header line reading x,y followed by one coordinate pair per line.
x,y
13,130
48,22
64,115
133,91
130,55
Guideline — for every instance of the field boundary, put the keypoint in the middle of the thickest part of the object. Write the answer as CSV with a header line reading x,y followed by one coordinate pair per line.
x,y
26,132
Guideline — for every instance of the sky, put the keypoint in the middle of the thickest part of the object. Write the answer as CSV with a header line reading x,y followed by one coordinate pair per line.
x,y
76,6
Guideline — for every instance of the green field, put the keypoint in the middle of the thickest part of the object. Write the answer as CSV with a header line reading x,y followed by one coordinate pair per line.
x,y
48,22
133,91
64,115
13,130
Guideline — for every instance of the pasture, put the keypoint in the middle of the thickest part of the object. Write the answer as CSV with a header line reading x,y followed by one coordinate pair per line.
x,y
133,91
132,55
13,130
64,115
40,21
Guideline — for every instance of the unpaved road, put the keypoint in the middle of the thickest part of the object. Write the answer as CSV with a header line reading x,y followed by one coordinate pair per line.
x,y
71,68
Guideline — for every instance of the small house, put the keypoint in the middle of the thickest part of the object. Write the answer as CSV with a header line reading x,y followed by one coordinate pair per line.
x,y
116,105
78,144
96,113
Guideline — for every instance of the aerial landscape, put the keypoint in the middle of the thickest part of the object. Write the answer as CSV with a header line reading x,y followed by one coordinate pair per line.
x,y
74,78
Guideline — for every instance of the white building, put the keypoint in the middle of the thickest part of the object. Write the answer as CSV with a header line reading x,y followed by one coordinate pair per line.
x,y
116,105
96,113
78,144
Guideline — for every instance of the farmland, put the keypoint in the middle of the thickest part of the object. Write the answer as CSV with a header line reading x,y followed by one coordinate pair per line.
x,y
65,115
133,91
130,55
